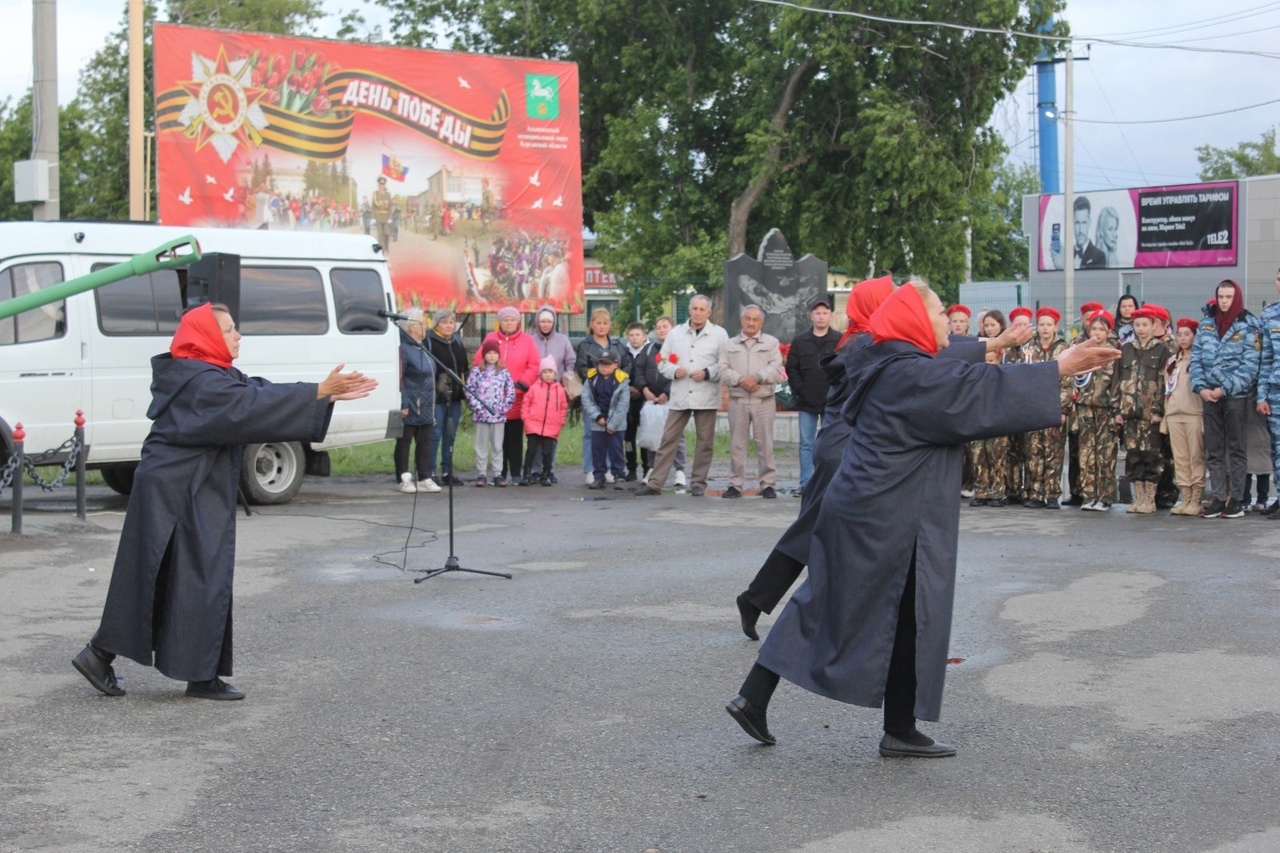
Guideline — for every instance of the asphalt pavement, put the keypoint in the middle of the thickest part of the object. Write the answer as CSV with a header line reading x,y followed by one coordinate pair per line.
x,y
1116,687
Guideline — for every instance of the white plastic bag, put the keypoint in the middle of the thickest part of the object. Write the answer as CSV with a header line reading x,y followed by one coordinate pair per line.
x,y
653,421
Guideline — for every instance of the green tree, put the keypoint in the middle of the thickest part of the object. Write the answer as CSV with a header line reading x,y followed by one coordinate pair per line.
x,y
1243,161
999,245
706,122
287,17
15,145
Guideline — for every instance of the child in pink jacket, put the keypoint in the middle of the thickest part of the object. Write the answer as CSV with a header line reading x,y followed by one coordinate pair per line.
x,y
544,409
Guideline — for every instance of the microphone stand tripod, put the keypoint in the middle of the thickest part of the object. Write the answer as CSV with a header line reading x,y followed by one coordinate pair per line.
x,y
453,564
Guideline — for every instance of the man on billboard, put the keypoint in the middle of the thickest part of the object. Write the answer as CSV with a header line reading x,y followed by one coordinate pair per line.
x,y
1087,255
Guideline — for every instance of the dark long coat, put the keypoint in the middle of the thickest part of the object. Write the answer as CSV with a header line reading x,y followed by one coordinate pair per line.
x,y
891,505
170,591
829,445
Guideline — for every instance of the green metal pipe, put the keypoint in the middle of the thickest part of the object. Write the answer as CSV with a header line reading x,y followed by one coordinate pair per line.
x,y
176,253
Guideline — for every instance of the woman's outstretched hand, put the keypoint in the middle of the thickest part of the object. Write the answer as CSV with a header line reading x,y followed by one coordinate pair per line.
x,y
1085,356
345,386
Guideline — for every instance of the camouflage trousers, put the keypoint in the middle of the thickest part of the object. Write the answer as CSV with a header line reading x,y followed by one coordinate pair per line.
x,y
1143,458
990,456
1015,468
1044,452
1098,450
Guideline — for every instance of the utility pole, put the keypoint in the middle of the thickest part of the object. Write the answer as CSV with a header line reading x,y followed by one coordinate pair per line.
x,y
137,158
1068,215
44,103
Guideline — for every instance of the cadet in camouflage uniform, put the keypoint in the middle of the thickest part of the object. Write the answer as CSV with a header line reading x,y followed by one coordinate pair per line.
x,y
1015,487
1093,421
989,457
1269,389
1139,408
1045,448
1079,333
1166,492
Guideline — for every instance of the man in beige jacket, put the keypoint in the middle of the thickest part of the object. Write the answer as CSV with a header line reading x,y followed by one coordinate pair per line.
x,y
751,368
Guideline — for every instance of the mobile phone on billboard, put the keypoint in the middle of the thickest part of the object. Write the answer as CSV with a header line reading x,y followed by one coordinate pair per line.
x,y
1055,242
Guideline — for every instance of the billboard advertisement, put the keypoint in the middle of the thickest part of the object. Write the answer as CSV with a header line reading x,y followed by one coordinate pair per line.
x,y
465,168
1177,226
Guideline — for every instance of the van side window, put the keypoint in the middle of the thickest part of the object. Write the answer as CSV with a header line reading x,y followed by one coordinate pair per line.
x,y
40,324
357,296
282,301
139,305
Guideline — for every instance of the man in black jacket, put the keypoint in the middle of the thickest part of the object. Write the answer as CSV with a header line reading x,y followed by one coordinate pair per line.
x,y
808,382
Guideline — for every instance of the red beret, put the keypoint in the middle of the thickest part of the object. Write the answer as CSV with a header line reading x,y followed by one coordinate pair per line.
x,y
1091,307
1020,311
1104,316
1145,312
1158,312
1049,312
1188,323
963,309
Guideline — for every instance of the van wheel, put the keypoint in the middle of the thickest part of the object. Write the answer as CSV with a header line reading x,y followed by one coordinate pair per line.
x,y
272,473
119,477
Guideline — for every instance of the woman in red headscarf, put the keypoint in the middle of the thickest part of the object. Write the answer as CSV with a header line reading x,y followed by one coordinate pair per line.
x,y
789,555
169,603
872,622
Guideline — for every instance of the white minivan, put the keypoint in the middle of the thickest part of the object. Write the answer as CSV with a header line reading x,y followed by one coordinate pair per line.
x,y
308,301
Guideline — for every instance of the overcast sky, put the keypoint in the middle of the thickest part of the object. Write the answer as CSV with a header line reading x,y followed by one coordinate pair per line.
x,y
1115,84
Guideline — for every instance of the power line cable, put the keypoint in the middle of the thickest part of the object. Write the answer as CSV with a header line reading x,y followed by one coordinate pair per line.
x,y
1103,91
1180,118
1188,26
971,28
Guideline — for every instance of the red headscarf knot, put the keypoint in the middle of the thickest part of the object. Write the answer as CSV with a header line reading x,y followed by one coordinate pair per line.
x,y
200,337
903,317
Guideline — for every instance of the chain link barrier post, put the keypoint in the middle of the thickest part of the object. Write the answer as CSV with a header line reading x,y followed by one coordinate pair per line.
x,y
19,456
80,460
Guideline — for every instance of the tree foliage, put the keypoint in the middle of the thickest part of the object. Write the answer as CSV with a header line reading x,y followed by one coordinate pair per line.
x,y
15,145
1245,160
706,122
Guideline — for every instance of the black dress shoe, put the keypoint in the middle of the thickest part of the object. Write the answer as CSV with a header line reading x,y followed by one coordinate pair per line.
x,y
1033,503
768,493
751,720
98,671
731,492
978,502
698,491
646,491
749,614
1074,500
892,747
214,689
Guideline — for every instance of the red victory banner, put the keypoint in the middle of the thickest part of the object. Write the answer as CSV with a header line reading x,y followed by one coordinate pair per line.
x,y
465,168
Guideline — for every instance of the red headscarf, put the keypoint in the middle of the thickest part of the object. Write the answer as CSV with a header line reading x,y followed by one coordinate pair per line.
x,y
864,299
200,337
1224,321
903,317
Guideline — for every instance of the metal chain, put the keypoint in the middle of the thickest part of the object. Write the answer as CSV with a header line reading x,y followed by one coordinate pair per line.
x,y
6,473
32,462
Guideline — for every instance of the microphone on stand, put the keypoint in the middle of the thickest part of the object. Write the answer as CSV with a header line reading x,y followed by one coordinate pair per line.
x,y
391,315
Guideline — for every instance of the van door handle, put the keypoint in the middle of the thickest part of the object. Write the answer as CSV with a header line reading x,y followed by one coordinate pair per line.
x,y
84,351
